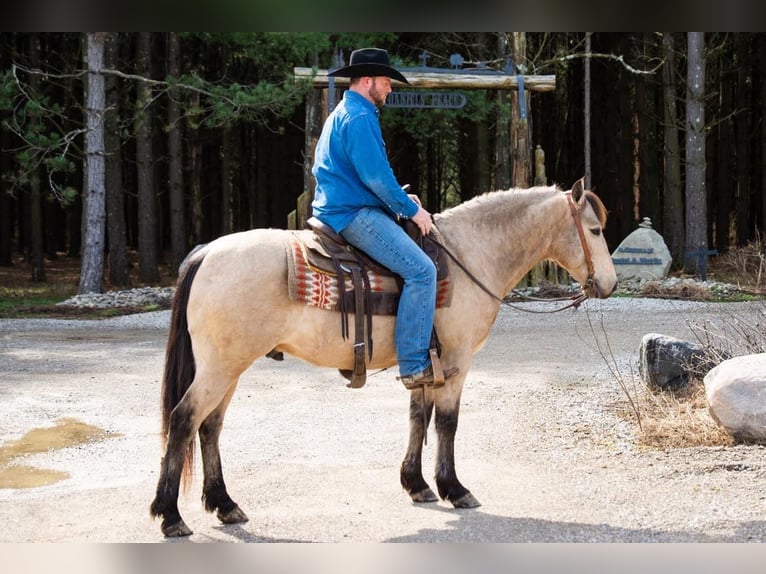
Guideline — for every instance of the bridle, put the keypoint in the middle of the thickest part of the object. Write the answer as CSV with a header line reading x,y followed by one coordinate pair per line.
x,y
575,300
575,211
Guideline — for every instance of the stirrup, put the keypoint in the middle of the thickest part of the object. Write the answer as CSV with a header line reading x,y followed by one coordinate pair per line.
x,y
426,378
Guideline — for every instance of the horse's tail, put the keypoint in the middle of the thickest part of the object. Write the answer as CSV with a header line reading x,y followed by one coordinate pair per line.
x,y
180,367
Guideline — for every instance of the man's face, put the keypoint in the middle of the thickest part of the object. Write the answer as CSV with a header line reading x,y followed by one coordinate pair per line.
x,y
379,90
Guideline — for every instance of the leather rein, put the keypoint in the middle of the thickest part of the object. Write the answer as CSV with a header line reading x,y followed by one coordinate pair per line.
x,y
575,300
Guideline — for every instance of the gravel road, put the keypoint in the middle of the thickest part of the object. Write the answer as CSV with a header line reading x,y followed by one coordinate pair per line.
x,y
541,442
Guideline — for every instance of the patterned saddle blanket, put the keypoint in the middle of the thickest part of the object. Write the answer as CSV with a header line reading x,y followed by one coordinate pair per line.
x,y
326,272
313,279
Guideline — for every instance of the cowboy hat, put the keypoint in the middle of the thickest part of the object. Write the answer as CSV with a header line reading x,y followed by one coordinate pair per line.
x,y
369,62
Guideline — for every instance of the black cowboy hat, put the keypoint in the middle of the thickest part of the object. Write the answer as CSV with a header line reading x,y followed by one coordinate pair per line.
x,y
369,62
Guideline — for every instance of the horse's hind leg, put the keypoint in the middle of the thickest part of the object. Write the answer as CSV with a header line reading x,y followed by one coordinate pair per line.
x,y
165,504
214,494
206,392
411,474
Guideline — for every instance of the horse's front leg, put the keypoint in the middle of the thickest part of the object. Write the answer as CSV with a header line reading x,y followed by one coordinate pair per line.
x,y
214,493
411,473
447,409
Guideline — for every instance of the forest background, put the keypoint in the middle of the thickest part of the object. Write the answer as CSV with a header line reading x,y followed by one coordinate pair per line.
x,y
206,134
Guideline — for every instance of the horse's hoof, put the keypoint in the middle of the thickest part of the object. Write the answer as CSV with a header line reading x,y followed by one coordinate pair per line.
x,y
234,516
425,495
176,530
466,501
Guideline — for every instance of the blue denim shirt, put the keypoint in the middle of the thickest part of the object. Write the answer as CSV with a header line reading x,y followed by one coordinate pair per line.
x,y
351,166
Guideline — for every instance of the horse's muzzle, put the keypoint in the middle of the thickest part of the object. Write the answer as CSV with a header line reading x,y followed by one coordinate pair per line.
x,y
601,290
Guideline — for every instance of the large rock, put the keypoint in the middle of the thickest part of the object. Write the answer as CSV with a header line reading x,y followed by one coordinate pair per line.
x,y
642,255
668,363
736,396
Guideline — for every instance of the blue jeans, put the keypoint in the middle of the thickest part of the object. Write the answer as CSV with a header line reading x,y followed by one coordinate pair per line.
x,y
380,237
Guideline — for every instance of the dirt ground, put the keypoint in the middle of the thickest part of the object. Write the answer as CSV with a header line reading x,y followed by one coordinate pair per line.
x,y
541,442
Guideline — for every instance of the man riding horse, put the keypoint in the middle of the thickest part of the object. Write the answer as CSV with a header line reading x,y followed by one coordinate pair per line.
x,y
358,196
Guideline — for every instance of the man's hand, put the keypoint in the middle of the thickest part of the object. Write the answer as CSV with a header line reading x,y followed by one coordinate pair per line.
x,y
423,220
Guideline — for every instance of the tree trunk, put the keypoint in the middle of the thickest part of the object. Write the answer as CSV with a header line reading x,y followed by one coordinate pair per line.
x,y
743,129
521,146
178,245
672,209
586,113
147,210
315,103
472,140
226,186
432,186
647,106
6,220
195,177
35,227
761,207
724,161
696,195
92,270
36,245
263,200
502,141
115,195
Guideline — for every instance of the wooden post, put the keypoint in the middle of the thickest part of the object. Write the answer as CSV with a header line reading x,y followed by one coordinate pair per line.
x,y
444,80
540,177
316,113
521,146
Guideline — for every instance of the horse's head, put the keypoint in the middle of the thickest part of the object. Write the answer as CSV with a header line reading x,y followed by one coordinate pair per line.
x,y
585,253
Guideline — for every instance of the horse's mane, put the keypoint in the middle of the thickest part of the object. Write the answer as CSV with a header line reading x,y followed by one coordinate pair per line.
x,y
495,203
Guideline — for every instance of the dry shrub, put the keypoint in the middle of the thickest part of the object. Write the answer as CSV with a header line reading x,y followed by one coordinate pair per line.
x,y
673,419
685,290
732,334
679,419
744,265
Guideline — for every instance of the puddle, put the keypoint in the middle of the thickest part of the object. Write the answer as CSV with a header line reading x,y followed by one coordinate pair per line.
x,y
67,432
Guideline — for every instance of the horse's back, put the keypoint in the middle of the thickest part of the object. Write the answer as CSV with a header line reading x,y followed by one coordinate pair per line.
x,y
239,263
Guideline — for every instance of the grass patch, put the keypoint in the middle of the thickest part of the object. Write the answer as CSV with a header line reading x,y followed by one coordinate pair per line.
x,y
16,301
20,297
679,419
66,312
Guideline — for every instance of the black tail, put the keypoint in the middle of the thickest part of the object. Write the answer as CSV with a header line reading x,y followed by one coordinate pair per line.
x,y
179,358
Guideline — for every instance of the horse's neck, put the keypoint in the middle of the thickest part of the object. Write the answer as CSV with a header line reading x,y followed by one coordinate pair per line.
x,y
502,235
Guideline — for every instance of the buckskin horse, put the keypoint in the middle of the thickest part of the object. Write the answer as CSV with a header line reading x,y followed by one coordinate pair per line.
x,y
231,306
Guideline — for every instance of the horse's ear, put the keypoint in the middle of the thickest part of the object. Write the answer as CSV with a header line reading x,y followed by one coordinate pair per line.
x,y
578,190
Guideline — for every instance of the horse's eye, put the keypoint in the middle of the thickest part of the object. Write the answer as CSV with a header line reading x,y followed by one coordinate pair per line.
x,y
595,231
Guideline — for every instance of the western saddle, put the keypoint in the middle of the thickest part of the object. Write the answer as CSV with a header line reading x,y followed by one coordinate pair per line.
x,y
344,260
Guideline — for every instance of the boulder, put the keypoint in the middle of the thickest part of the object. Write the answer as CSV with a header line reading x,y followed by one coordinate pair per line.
x,y
736,396
642,255
668,363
